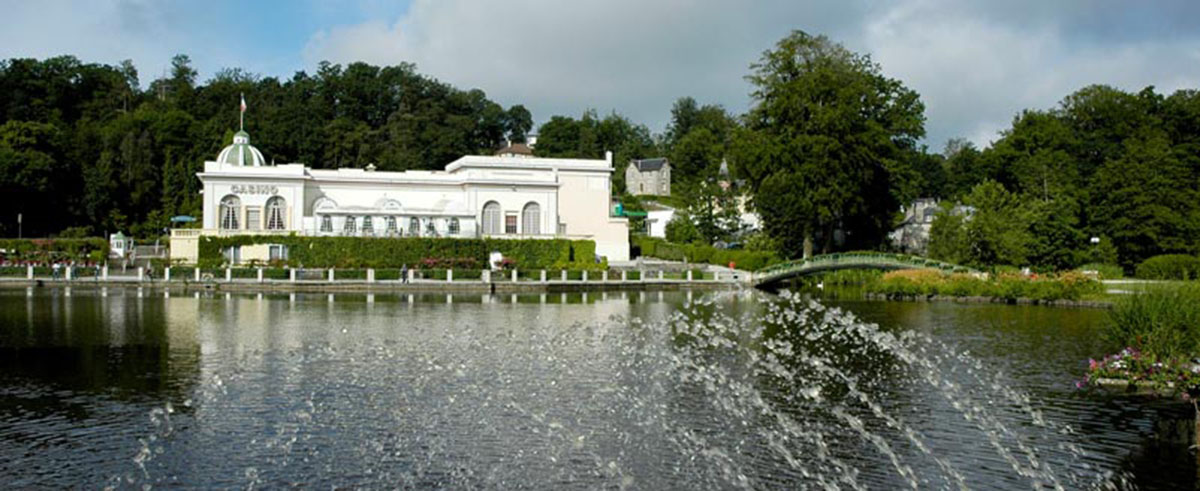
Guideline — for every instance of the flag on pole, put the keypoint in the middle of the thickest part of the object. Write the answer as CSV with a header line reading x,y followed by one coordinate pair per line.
x,y
242,114
243,102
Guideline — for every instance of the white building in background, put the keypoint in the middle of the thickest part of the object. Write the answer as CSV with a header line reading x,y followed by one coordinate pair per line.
x,y
475,196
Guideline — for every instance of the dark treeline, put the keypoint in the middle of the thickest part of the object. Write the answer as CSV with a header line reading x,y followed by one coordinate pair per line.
x,y
1117,166
84,150
827,154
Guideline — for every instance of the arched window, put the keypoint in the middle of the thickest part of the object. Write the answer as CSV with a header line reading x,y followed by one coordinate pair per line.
x,y
391,225
430,228
452,227
276,209
326,223
349,227
531,218
368,225
231,207
491,218
414,226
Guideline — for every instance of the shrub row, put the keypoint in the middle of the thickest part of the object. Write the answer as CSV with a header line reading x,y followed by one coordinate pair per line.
x,y
925,282
1170,267
700,253
48,250
415,252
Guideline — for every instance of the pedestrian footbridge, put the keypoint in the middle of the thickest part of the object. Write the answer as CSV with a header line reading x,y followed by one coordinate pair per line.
x,y
773,275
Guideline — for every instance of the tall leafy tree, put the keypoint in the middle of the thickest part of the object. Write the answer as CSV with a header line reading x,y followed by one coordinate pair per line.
x,y
838,129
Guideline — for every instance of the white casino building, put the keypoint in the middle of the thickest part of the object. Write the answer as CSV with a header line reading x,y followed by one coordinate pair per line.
x,y
475,196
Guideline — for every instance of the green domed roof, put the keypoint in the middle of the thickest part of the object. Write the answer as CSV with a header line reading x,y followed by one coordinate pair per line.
x,y
241,152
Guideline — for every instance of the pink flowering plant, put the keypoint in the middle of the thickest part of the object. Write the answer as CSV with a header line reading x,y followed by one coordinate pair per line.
x,y
1138,369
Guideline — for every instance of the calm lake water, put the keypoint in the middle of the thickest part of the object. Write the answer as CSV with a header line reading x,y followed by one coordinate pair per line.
x,y
125,388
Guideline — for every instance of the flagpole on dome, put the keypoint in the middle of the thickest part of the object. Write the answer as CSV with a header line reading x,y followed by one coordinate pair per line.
x,y
242,114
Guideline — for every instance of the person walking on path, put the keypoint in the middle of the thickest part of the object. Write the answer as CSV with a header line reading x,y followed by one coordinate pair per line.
x,y
404,274
54,270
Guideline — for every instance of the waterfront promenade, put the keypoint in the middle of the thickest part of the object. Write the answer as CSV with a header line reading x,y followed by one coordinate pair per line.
x,y
439,280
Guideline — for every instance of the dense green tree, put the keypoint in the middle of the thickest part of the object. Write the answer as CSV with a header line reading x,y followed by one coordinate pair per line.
x,y
589,137
992,229
838,130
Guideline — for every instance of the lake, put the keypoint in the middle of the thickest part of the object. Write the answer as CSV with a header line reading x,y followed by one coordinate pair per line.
x,y
124,388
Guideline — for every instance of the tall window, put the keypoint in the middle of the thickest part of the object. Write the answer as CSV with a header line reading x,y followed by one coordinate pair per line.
x,y
391,225
452,227
349,227
414,226
368,225
253,218
326,223
430,229
491,218
276,209
510,223
531,219
231,206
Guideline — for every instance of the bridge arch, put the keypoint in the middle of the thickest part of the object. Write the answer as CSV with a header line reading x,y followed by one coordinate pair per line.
x,y
777,273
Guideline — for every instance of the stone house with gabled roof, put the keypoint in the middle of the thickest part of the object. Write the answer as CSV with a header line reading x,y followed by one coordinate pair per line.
x,y
648,177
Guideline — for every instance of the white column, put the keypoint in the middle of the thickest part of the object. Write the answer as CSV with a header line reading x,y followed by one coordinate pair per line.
x,y
604,276
196,272
716,276
660,275
564,275
584,276
412,273
689,275
292,274
29,272
543,276
167,273
70,272
228,275
624,275
514,276
449,275
141,274
260,275
331,275
371,275
486,276
104,271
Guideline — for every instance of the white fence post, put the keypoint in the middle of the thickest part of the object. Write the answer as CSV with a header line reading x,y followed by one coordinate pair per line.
x,y
370,275
543,276
228,275
514,276
604,276
449,275
689,275
412,273
167,273
564,275
331,275
624,275
292,274
584,276
70,272
29,271
195,272
260,275
141,274
486,276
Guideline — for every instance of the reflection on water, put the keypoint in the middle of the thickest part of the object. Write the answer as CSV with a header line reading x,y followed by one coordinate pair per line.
x,y
648,390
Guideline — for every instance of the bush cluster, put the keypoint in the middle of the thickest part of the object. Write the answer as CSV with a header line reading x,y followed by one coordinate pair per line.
x,y
415,252
926,282
1163,322
49,250
700,253
1170,267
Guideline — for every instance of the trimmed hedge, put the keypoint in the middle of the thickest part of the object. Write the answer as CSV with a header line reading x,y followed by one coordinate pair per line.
x,y
1170,267
925,282
45,250
389,253
699,253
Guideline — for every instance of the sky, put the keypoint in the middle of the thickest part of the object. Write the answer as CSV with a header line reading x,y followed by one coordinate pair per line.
x,y
976,64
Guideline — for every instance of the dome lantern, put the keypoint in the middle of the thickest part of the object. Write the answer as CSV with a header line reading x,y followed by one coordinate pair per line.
x,y
241,152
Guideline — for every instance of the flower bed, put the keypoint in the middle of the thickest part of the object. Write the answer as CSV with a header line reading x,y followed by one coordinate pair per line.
x,y
1136,371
